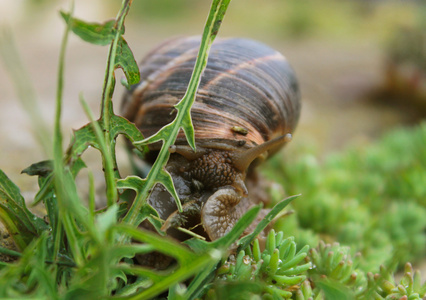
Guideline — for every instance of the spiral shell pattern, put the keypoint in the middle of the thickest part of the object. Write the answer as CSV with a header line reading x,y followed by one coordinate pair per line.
x,y
248,92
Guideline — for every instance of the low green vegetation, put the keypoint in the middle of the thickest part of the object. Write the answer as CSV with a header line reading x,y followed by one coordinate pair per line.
x,y
370,200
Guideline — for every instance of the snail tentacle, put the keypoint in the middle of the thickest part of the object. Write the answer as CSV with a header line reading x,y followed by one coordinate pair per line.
x,y
242,160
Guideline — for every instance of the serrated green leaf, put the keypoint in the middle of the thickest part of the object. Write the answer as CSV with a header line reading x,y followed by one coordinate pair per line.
x,y
147,211
81,140
46,180
165,179
152,216
164,134
85,137
169,132
125,60
245,241
120,125
10,190
131,182
107,149
95,33
188,128
23,225
42,168
211,29
78,165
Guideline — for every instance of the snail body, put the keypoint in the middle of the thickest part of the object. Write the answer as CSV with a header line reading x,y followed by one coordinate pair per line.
x,y
247,107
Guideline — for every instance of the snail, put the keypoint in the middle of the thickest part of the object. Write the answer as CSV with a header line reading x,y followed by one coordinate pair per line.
x,y
246,109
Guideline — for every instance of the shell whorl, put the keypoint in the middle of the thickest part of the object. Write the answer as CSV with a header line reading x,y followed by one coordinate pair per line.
x,y
245,85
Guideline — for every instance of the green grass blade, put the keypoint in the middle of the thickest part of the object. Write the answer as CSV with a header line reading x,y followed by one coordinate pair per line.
x,y
69,203
230,238
164,245
223,243
23,225
245,241
92,196
126,61
95,33
198,264
10,252
108,160
81,140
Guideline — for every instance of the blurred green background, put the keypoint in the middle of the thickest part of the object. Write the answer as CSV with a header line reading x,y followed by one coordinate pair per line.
x,y
362,71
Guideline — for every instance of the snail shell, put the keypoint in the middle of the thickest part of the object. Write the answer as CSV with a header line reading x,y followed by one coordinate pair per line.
x,y
247,107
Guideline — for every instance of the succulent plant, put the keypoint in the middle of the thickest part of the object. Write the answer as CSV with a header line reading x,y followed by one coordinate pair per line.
x,y
277,271
384,285
373,197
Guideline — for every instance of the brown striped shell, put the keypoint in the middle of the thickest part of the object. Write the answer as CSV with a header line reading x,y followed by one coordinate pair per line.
x,y
246,85
247,104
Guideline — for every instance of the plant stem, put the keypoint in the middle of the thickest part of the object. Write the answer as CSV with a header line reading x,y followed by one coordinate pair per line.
x,y
107,108
216,14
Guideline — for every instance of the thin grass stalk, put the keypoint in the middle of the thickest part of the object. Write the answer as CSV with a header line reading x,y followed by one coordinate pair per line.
x,y
57,240
63,197
102,144
92,202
